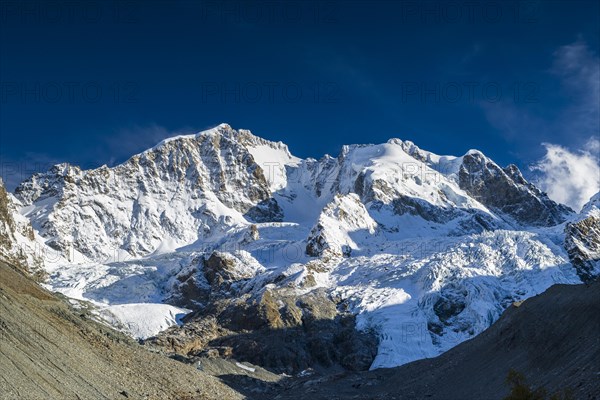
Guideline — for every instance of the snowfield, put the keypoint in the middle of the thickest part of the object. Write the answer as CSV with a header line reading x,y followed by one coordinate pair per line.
x,y
143,320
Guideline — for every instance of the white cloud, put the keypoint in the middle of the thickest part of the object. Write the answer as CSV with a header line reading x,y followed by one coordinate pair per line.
x,y
570,177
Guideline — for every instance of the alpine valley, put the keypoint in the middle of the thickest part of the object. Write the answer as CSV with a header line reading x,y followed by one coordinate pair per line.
x,y
223,245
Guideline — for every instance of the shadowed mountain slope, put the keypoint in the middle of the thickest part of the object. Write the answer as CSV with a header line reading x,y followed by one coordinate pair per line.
x,y
50,351
553,339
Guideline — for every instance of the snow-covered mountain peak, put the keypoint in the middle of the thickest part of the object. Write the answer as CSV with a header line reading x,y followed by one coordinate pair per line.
x,y
476,153
592,207
219,129
18,244
186,188
397,235
396,141
190,187
271,157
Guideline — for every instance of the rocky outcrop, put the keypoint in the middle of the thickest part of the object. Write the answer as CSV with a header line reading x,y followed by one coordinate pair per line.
x,y
582,241
277,329
7,224
551,339
282,323
449,305
265,211
506,191
17,239
221,268
214,277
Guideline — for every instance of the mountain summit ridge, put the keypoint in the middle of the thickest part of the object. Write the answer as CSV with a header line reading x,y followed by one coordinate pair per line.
x,y
197,160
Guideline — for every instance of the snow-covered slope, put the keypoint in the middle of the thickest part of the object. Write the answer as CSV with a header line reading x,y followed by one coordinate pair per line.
x,y
143,320
342,224
592,207
425,250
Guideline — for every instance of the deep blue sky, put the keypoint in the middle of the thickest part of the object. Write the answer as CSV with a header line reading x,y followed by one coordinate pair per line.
x,y
95,83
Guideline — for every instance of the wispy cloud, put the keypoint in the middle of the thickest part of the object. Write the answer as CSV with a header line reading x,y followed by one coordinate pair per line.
x,y
569,170
578,69
570,177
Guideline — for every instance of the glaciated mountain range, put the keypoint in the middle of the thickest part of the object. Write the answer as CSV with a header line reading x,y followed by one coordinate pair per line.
x,y
380,256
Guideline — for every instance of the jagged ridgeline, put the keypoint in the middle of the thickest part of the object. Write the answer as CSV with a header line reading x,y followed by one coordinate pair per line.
x,y
380,256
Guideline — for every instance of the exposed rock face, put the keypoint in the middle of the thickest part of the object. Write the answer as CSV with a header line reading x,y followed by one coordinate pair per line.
x,y
449,305
506,190
7,224
222,267
552,339
582,241
283,332
471,220
17,239
212,278
281,323
265,211
313,344
252,234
